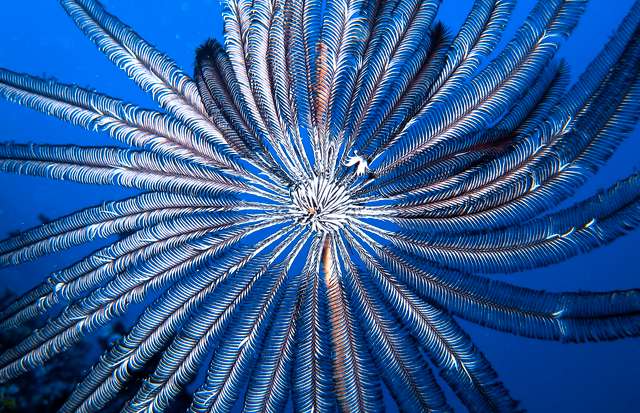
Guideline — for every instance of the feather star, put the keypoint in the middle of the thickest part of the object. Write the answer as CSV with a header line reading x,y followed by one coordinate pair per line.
x,y
293,269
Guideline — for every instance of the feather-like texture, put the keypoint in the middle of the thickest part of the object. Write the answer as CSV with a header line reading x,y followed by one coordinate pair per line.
x,y
312,387
357,389
463,367
318,201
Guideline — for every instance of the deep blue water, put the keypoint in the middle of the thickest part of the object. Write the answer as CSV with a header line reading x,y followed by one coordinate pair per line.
x,y
37,37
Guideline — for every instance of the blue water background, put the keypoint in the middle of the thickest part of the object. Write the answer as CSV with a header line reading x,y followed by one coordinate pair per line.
x,y
37,37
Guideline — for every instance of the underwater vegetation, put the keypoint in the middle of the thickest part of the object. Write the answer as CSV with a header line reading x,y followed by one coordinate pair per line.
x,y
322,201
49,385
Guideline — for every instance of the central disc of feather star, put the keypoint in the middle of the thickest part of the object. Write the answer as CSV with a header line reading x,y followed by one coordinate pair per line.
x,y
322,203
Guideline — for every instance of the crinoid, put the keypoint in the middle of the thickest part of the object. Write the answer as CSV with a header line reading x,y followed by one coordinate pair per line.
x,y
319,202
